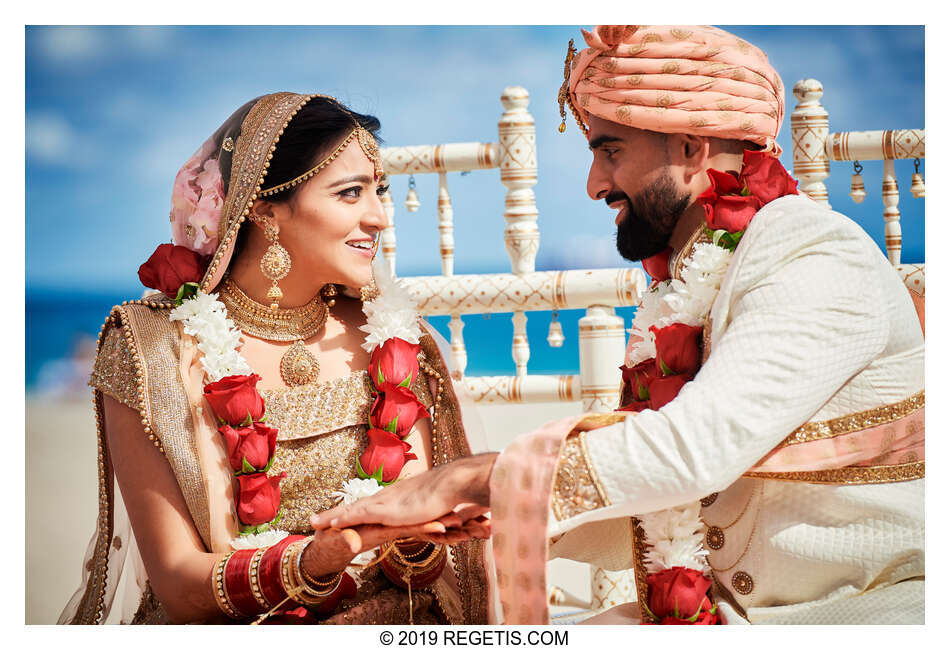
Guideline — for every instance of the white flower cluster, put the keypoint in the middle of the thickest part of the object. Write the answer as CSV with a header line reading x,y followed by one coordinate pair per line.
x,y
392,314
206,318
693,296
676,539
679,301
653,311
258,540
355,489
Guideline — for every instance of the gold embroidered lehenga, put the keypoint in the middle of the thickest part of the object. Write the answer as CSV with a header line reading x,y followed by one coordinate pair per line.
x,y
148,363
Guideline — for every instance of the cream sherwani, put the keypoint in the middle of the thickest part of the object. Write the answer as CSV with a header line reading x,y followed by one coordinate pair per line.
x,y
811,323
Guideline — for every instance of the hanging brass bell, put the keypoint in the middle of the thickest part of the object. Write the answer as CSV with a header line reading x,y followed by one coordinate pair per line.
x,y
412,199
555,333
857,192
917,181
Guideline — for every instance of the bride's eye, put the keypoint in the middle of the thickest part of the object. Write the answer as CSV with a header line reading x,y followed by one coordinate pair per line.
x,y
382,189
351,192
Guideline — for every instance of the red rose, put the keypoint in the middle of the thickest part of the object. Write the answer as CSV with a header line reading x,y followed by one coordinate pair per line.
x,y
678,349
234,398
639,377
731,213
765,177
385,450
254,444
678,592
664,389
394,362
396,409
720,184
258,498
658,266
171,266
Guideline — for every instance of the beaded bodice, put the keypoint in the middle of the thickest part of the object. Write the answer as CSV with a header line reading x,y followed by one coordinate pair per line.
x,y
322,434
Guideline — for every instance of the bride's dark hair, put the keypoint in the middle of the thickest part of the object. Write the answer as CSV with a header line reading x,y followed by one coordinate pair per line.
x,y
313,133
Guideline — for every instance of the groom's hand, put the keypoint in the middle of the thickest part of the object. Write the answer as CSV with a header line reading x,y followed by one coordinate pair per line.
x,y
421,499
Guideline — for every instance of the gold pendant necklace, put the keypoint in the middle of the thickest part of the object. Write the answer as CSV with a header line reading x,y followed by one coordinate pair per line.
x,y
298,365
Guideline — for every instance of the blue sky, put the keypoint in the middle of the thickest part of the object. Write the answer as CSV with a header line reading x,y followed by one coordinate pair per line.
x,y
112,112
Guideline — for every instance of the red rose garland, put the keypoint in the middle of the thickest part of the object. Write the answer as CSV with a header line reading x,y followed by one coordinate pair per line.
x,y
393,366
729,203
680,595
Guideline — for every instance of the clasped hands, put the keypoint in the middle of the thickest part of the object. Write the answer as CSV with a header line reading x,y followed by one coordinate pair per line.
x,y
445,505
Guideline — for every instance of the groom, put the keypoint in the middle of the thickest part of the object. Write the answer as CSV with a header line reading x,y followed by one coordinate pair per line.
x,y
773,390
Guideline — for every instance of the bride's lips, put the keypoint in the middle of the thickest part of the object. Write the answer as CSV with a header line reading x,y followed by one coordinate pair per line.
x,y
362,247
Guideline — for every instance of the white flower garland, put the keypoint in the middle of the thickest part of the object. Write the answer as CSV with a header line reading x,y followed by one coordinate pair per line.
x,y
675,535
392,314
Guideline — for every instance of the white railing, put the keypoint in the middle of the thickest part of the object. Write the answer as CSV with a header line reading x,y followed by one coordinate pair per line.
x,y
815,148
600,331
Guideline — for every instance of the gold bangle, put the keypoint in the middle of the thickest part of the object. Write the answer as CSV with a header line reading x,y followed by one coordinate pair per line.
x,y
317,586
292,583
219,589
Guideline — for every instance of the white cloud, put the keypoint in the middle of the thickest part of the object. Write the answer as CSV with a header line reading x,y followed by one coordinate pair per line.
x,y
50,139
70,44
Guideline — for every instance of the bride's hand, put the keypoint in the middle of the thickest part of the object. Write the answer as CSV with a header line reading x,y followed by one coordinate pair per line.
x,y
332,549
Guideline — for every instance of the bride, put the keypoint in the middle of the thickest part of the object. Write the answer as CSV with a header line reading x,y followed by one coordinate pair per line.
x,y
258,388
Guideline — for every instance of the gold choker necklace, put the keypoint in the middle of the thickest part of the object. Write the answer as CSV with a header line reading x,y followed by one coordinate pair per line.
x,y
298,366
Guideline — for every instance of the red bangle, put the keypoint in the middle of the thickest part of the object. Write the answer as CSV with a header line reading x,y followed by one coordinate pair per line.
x,y
268,572
237,583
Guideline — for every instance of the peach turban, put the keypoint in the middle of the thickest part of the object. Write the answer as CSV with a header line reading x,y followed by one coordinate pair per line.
x,y
676,79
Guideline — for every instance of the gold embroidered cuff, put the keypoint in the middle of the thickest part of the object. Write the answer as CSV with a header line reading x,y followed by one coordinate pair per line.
x,y
577,488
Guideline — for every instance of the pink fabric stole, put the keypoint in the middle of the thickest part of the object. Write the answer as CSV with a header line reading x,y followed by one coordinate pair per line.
x,y
521,483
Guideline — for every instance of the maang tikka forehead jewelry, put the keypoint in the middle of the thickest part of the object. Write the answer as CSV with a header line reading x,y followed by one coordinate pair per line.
x,y
367,143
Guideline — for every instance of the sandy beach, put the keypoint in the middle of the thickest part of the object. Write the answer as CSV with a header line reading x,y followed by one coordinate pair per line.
x,y
61,494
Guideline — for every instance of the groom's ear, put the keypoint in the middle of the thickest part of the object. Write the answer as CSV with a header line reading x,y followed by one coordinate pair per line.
x,y
689,155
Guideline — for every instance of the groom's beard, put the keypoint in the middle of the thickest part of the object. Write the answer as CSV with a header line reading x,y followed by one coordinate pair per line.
x,y
651,216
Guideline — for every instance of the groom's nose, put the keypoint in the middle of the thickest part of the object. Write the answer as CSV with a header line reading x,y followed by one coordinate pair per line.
x,y
598,182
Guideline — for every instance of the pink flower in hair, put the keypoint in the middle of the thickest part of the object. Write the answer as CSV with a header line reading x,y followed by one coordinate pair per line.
x,y
198,201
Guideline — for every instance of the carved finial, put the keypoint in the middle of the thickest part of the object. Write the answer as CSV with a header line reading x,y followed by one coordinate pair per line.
x,y
808,90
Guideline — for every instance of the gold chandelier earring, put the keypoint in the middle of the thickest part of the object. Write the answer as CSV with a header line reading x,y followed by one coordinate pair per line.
x,y
275,264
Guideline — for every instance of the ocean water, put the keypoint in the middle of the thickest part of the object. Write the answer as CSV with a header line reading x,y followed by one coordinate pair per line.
x,y
61,329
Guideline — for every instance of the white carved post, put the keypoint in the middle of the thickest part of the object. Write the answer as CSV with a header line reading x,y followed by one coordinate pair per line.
x,y
892,215
387,238
459,355
519,173
602,344
446,236
809,132
520,351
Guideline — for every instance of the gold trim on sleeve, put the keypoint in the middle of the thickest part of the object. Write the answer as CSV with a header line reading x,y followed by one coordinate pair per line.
x,y
849,475
855,421
576,488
